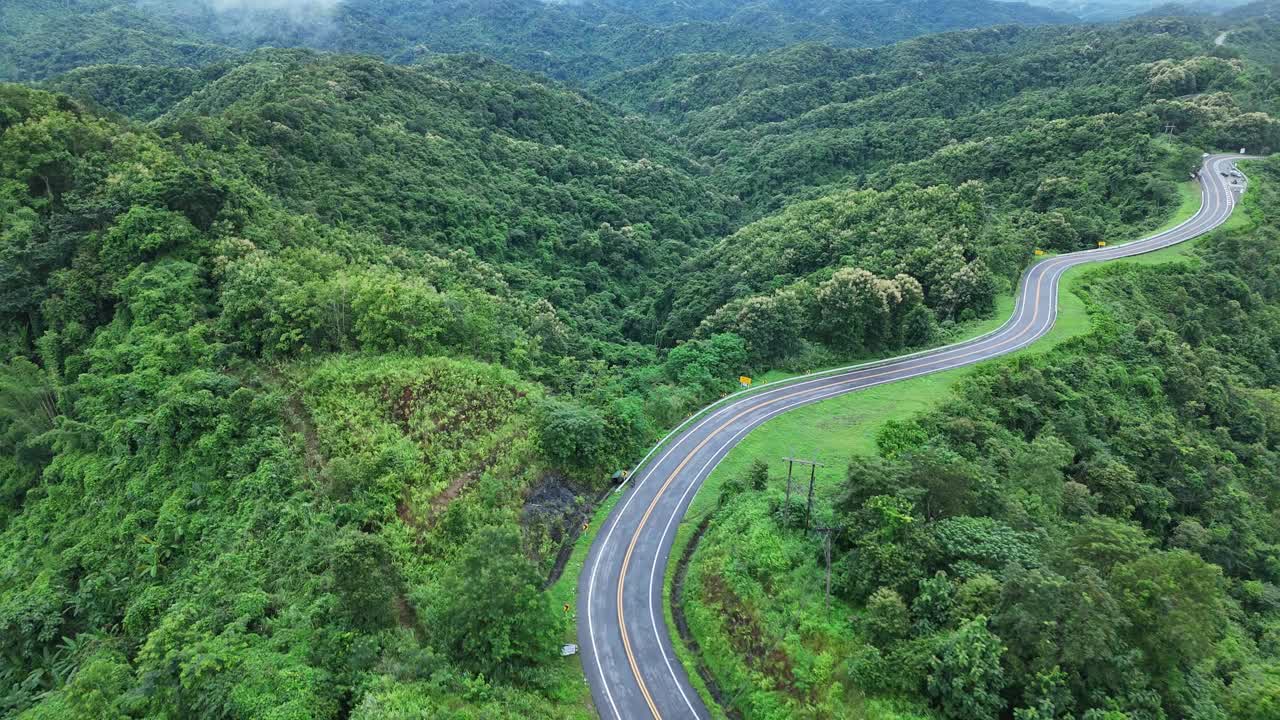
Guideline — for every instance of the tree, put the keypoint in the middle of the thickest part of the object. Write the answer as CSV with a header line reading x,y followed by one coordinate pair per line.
x,y
965,677
1255,693
709,364
29,408
1103,542
1176,604
853,309
489,615
570,434
857,310
365,580
1048,698
896,438
770,324
143,233
955,284
887,619
758,475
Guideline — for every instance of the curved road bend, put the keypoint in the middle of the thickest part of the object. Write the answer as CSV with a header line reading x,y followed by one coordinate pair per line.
x,y
626,649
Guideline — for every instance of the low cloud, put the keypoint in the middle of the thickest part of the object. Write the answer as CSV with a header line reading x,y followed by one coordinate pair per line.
x,y
292,6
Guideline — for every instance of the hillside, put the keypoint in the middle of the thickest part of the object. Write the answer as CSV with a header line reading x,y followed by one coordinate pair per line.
x,y
302,349
563,40
314,365
1104,10
466,156
1044,138
1087,531
1251,30
780,123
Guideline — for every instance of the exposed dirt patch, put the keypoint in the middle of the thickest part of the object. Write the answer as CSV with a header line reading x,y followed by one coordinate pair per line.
x,y
439,503
748,637
555,510
570,539
451,421
407,618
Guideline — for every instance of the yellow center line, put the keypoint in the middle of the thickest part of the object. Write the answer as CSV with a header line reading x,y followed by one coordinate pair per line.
x,y
939,359
635,538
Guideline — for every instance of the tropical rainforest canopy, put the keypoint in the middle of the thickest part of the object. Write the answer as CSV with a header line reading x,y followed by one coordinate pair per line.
x,y
312,363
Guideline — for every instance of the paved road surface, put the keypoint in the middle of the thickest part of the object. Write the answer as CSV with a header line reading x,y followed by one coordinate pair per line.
x,y
626,649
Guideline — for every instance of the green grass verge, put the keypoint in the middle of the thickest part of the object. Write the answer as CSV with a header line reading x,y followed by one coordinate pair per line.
x,y
850,422
845,426
565,590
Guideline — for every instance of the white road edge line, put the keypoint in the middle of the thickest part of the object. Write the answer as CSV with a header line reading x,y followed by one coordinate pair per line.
x,y
1055,264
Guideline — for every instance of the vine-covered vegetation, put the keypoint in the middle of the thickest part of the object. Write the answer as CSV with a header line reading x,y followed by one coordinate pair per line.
x,y
310,364
1084,533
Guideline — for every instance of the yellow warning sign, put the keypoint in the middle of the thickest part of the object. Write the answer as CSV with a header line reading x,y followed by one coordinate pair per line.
x,y
1102,243
1039,251
745,381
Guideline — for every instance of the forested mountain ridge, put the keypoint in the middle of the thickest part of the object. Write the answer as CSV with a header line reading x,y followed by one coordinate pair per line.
x,y
564,40
815,114
1104,10
1048,136
307,379
1089,531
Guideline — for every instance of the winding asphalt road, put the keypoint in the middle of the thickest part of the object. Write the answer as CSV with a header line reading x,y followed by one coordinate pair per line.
x,y
626,649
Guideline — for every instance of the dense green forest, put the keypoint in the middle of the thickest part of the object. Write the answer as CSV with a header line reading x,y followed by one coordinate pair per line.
x,y
1103,10
332,334
310,363
1089,532
1038,139
564,40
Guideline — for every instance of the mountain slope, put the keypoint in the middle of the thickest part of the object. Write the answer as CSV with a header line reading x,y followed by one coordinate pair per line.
x,y
1056,130
569,40
465,155
269,374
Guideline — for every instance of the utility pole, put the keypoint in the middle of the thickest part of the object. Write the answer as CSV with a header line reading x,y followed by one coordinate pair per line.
x,y
790,464
813,473
813,464
827,533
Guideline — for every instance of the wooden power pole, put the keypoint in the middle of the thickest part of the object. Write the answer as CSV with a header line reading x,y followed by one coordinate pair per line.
x,y
813,464
828,532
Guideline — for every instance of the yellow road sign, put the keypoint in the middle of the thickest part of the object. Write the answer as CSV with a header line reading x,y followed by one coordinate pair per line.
x,y
745,381
1039,251
1102,243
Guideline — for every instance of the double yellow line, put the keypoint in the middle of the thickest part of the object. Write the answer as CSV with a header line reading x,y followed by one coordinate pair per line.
x,y
938,359
635,538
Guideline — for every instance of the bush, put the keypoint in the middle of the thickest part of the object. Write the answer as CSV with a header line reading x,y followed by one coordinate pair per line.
x,y
570,434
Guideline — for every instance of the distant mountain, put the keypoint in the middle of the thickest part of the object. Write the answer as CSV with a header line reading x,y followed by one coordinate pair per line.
x,y
1259,9
1105,10
564,40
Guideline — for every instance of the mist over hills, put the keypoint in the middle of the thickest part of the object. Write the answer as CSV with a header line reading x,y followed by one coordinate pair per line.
x,y
1105,10
563,40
